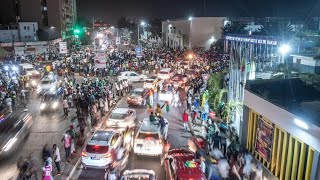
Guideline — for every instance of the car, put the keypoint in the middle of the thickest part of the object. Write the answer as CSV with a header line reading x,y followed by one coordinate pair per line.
x,y
139,174
47,83
14,128
151,82
165,96
122,118
100,150
137,97
176,165
30,70
165,74
148,139
131,76
50,102
179,80
185,64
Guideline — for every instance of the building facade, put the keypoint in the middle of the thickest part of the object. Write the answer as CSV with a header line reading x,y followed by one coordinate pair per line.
x,y
28,31
59,15
281,127
192,33
307,63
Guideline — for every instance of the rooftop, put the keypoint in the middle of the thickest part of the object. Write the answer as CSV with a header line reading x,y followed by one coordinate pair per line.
x,y
292,95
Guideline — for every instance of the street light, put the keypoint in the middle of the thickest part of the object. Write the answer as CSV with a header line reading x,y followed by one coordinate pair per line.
x,y
112,27
284,49
141,24
190,56
190,18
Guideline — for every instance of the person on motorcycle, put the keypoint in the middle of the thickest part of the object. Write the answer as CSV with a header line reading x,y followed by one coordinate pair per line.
x,y
111,174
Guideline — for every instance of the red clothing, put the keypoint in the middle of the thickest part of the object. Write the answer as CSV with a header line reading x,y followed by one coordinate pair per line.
x,y
185,117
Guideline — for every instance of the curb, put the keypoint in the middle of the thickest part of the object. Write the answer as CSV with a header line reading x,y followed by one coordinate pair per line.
x,y
79,160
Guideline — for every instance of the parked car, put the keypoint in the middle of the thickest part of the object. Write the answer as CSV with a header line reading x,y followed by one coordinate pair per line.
x,y
122,118
131,76
176,168
148,140
138,97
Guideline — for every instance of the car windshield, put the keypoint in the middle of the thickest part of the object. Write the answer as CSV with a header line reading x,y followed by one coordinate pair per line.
x,y
136,93
97,149
148,135
149,80
117,116
45,82
163,72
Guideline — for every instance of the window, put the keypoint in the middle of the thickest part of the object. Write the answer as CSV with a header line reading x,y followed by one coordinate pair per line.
x,y
25,27
133,74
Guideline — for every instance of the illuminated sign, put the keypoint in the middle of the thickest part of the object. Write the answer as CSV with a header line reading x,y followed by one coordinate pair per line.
x,y
255,40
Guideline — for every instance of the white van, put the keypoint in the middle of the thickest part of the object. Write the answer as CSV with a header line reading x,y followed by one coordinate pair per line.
x,y
30,70
165,74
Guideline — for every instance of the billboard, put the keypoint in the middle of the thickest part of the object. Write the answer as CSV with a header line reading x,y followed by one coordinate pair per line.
x,y
138,50
100,59
264,139
63,48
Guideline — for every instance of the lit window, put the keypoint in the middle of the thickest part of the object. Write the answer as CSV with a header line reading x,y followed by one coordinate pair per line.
x,y
45,8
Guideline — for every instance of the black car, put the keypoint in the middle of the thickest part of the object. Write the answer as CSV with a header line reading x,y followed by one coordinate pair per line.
x,y
14,127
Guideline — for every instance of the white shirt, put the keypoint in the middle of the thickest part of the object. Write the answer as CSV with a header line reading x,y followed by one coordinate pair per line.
x,y
65,103
223,167
57,154
216,154
203,167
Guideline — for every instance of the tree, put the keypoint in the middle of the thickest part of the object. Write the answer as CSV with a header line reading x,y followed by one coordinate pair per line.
x,y
216,90
155,27
234,27
279,28
123,22
229,110
218,46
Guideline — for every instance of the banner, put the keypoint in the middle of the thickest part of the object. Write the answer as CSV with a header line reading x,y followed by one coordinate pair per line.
x,y
138,50
63,48
264,139
100,59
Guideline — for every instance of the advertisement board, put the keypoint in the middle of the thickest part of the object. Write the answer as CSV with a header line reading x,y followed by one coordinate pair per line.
x,y
63,48
100,59
138,50
264,139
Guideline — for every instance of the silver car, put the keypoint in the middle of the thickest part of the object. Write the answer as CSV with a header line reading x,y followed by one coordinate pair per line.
x,y
100,150
122,118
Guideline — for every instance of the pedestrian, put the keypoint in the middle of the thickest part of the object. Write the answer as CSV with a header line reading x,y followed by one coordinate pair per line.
x,y
47,171
73,138
67,145
56,158
65,106
185,119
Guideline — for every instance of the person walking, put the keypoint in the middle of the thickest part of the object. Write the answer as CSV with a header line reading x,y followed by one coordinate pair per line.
x,y
47,171
67,145
65,107
56,158
185,119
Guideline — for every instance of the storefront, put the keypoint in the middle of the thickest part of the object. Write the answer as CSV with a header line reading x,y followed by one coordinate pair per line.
x,y
285,142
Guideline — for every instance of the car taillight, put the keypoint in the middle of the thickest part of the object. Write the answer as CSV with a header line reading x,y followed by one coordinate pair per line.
x,y
84,154
107,155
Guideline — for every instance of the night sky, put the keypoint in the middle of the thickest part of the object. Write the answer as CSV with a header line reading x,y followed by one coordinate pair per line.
x,y
111,10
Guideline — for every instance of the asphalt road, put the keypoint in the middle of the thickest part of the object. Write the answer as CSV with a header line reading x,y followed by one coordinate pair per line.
x,y
47,127
176,137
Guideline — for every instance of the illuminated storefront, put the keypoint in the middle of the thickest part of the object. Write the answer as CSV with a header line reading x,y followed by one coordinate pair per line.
x,y
281,129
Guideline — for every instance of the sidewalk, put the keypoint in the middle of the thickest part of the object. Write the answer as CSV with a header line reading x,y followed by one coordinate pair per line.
x,y
199,130
69,168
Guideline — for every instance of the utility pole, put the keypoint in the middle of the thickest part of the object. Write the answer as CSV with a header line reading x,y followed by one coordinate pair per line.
x,y
204,8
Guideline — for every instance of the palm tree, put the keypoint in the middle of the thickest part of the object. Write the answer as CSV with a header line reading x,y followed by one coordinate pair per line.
x,y
229,109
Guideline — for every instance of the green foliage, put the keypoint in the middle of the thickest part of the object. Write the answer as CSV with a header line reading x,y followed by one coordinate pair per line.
x,y
311,79
229,109
216,89
235,27
276,28
218,46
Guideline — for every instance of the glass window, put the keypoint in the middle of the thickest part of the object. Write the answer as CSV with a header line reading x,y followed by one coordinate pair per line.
x,y
133,74
97,149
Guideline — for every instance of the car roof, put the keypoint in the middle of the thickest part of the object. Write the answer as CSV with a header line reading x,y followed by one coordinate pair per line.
x,y
120,110
124,72
182,171
147,126
139,171
165,69
101,138
139,89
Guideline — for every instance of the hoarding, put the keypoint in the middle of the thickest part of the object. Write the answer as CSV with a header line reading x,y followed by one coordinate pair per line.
x,y
264,139
63,48
100,59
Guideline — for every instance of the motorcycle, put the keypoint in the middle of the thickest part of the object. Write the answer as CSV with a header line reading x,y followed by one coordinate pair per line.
x,y
27,168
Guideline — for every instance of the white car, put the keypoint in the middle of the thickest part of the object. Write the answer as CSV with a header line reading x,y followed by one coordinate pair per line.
x,y
30,70
151,82
165,96
132,76
165,74
122,118
139,174
148,140
99,151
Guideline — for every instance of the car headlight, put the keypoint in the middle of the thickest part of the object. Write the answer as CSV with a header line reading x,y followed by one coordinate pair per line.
x,y
15,68
33,82
42,106
55,105
36,72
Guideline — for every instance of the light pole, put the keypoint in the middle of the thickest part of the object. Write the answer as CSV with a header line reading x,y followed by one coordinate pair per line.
x,y
141,24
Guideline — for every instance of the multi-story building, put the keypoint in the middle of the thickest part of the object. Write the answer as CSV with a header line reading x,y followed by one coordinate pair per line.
x,y
193,32
20,32
53,15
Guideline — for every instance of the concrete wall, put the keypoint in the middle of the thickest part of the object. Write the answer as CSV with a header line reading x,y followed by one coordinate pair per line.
x,y
306,64
28,31
203,29
179,36
8,36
